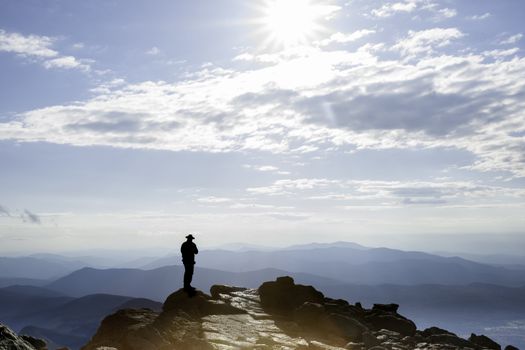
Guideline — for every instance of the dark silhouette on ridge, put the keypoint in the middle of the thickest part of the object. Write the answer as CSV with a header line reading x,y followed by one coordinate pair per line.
x,y
188,250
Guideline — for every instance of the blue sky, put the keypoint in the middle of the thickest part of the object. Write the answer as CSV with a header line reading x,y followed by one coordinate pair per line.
x,y
127,124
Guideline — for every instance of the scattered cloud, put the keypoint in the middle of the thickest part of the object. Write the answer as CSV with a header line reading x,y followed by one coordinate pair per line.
x,y
479,17
214,200
342,38
512,39
30,217
154,51
40,49
426,41
392,8
4,211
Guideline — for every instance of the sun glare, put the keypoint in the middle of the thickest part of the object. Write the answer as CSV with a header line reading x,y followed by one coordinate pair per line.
x,y
291,22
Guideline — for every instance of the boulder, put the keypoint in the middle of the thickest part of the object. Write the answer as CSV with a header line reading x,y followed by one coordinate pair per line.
x,y
38,344
510,347
217,289
9,340
434,331
484,342
392,322
197,304
283,296
448,339
309,314
346,327
386,307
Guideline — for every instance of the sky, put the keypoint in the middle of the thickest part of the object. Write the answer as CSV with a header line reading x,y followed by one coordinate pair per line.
x,y
129,124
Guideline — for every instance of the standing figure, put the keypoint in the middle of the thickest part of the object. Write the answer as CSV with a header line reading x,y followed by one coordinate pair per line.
x,y
188,250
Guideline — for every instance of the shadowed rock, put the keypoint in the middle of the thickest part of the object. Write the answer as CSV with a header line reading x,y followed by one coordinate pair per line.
x,y
9,340
484,342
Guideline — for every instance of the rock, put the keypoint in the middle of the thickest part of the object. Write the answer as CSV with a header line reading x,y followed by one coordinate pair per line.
x,y
370,340
484,342
449,339
309,314
392,322
510,347
435,331
386,307
354,346
113,329
283,296
38,344
197,304
9,340
345,326
218,289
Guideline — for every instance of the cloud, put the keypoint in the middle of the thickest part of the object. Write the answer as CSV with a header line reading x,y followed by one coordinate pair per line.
x,y
479,17
66,62
154,51
31,45
512,39
392,8
426,41
39,48
4,211
342,38
423,93
214,200
30,217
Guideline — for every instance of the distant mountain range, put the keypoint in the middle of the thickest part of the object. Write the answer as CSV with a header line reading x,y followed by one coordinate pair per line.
x,y
352,263
62,320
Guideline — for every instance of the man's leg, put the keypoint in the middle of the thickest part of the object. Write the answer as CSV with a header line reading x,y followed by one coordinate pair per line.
x,y
188,275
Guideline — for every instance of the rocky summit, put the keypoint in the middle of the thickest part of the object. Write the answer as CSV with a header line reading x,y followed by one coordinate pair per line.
x,y
278,315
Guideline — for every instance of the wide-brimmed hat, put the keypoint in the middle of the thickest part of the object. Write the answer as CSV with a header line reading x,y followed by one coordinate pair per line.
x,y
190,236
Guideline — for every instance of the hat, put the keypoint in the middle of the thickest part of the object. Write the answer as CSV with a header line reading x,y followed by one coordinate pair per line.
x,y
190,236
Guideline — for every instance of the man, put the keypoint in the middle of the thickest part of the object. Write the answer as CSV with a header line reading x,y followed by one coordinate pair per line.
x,y
188,250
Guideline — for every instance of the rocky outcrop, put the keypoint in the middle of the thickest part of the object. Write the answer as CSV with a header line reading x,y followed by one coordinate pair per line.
x,y
9,340
278,315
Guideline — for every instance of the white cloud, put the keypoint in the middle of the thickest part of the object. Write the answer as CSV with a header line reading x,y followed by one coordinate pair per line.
x,y
512,39
66,62
214,200
342,38
392,8
32,45
479,17
311,100
425,41
39,48
153,51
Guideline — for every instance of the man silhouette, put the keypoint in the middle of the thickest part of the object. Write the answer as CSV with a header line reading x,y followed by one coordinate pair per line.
x,y
188,250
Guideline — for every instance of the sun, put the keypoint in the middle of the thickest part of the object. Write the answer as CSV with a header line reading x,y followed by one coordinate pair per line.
x,y
291,22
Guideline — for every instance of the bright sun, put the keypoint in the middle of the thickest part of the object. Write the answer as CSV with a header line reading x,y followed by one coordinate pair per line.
x,y
291,22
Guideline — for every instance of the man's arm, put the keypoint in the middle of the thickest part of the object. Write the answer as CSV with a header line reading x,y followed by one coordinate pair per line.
x,y
195,250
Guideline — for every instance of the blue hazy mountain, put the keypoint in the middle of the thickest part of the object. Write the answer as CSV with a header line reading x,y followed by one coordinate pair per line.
x,y
359,265
158,283
37,267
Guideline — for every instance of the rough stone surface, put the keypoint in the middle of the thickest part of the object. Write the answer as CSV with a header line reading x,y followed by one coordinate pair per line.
x,y
9,340
278,315
484,342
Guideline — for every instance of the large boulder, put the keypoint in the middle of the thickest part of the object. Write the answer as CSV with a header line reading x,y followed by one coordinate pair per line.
x,y
9,340
386,307
346,327
197,304
392,322
435,331
448,339
114,329
38,344
283,296
484,342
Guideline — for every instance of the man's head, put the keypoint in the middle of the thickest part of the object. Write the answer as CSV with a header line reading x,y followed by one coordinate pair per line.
x,y
190,237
